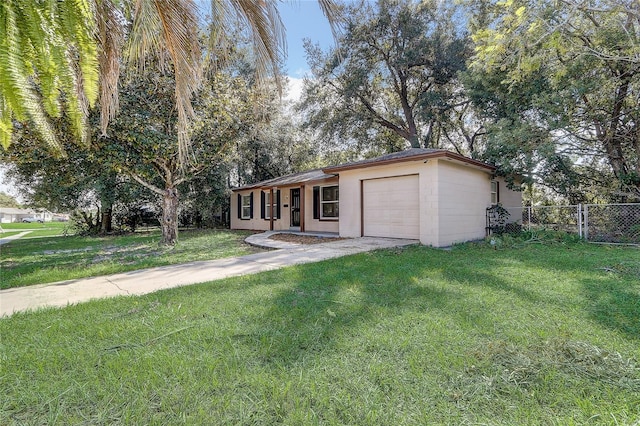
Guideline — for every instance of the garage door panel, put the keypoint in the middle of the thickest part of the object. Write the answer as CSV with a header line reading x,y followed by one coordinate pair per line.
x,y
391,207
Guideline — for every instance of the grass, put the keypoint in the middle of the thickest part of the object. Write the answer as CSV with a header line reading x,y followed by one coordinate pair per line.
x,y
6,234
44,260
47,229
34,225
540,334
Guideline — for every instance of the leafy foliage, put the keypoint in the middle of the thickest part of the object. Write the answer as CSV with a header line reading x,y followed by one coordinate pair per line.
x,y
393,80
47,47
560,84
143,141
65,47
7,200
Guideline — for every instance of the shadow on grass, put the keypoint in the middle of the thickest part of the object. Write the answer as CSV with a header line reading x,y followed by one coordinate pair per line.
x,y
606,290
609,282
329,304
614,305
326,304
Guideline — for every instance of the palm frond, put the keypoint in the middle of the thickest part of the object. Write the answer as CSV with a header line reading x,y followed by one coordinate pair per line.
x,y
170,27
267,34
47,51
110,39
332,12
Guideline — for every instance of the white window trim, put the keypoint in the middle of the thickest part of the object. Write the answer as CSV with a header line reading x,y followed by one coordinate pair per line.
x,y
322,202
493,193
267,204
244,206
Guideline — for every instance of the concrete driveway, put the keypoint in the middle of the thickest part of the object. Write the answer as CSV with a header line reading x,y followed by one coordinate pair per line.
x,y
149,280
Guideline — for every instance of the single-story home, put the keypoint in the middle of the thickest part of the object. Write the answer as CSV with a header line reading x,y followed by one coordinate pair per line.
x,y
435,196
11,215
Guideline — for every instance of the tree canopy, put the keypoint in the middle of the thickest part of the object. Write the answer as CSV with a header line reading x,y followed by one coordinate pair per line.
x,y
393,81
560,82
66,55
7,200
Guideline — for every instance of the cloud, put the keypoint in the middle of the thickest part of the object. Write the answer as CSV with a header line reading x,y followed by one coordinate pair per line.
x,y
294,89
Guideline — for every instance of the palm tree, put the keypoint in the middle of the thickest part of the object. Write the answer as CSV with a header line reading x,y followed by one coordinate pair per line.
x,y
51,42
62,56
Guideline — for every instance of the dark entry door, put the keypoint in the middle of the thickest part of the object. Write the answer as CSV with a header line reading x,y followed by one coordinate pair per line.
x,y
295,207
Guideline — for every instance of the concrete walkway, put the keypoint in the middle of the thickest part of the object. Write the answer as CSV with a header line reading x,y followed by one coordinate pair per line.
x,y
149,280
263,239
5,240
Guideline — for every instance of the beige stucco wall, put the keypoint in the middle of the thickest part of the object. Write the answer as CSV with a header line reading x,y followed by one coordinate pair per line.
x,y
254,224
453,199
350,192
284,223
464,195
317,225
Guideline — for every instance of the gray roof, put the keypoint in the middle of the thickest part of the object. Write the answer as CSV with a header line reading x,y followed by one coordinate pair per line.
x,y
13,210
413,154
302,177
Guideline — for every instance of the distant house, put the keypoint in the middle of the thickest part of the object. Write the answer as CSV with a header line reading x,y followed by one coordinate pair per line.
x,y
11,215
435,196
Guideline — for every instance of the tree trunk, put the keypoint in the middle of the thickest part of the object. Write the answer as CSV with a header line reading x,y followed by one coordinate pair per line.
x,y
169,217
106,224
107,188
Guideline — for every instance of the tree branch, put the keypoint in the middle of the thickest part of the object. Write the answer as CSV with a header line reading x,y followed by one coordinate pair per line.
x,y
144,183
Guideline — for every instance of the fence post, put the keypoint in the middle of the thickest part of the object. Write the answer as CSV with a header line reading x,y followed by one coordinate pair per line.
x,y
586,222
529,218
580,219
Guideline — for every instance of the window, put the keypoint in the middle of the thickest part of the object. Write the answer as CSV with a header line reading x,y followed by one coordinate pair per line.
x,y
266,204
246,206
494,192
329,196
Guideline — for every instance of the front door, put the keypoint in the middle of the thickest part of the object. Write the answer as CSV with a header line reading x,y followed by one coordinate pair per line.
x,y
295,207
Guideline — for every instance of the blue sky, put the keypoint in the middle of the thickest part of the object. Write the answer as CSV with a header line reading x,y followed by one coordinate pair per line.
x,y
303,19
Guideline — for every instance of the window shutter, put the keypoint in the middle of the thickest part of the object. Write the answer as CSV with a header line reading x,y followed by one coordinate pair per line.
x,y
251,205
497,192
239,206
262,204
278,204
316,202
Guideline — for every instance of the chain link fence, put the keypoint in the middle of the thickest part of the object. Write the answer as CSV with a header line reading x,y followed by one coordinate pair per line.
x,y
612,223
609,223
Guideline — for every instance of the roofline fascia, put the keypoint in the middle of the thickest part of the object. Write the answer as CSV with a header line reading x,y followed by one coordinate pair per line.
x,y
252,187
426,156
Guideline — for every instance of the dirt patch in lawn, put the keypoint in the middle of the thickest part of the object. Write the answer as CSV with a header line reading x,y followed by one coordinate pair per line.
x,y
304,239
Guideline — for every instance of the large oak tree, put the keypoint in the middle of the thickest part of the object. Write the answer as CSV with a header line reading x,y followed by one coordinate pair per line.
x,y
561,84
392,82
142,142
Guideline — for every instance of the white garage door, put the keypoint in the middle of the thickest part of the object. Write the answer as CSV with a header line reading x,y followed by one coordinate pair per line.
x,y
391,207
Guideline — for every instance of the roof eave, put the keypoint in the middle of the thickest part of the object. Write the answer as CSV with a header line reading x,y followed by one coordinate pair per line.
x,y
265,185
418,157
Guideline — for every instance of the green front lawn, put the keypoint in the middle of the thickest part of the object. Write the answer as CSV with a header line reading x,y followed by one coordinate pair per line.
x,y
541,334
44,260
47,229
6,234
34,225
